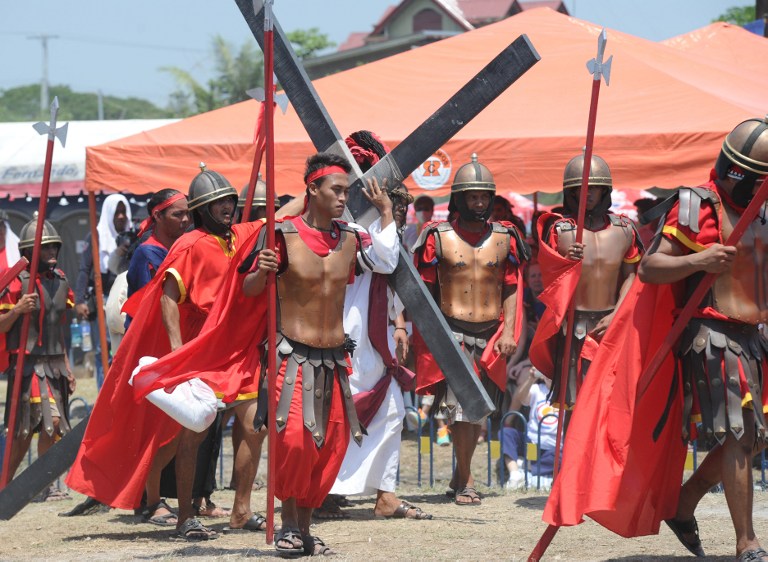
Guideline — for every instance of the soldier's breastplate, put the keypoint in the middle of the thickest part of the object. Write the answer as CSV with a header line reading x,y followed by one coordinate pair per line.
x,y
741,292
54,306
472,277
311,291
604,252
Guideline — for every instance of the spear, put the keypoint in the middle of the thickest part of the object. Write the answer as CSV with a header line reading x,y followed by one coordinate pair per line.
x,y
269,117
598,68
53,133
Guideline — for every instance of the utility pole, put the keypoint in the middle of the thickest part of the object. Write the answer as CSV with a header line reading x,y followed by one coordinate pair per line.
x,y
44,103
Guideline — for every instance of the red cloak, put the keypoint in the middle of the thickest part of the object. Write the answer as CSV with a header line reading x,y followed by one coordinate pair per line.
x,y
560,276
613,470
124,433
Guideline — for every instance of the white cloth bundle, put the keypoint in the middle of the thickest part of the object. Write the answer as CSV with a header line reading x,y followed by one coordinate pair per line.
x,y
192,403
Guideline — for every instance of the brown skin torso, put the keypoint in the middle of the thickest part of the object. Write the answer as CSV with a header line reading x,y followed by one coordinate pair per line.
x,y
603,269
311,291
741,292
471,277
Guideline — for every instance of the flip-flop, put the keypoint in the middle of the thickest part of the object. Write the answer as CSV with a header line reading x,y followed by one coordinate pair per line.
x,y
256,523
468,492
682,528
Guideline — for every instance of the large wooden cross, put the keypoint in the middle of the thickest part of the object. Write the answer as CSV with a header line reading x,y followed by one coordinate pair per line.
x,y
470,100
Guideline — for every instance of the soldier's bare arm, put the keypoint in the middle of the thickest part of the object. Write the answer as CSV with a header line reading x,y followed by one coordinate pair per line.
x,y
255,282
169,308
506,345
27,303
670,264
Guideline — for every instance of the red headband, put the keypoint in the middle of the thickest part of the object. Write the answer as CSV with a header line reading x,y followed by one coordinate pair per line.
x,y
147,223
325,172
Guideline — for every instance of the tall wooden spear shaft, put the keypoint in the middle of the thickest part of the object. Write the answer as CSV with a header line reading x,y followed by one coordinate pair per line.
x,y
269,87
53,133
598,69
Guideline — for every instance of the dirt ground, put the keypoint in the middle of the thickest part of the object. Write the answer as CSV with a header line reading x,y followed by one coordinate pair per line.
x,y
506,527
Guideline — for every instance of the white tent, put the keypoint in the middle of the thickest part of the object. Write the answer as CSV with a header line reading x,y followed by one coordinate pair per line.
x,y
22,154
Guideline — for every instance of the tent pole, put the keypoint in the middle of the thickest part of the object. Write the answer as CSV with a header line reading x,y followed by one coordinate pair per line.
x,y
98,289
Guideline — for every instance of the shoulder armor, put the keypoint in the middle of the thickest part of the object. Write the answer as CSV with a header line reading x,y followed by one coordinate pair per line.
x,y
60,274
285,226
430,227
565,225
690,205
523,249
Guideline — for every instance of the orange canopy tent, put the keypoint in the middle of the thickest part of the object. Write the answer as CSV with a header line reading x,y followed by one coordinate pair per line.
x,y
660,123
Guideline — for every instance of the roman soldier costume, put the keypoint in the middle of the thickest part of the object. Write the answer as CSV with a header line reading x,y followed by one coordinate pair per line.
x,y
610,241
722,352
469,271
44,387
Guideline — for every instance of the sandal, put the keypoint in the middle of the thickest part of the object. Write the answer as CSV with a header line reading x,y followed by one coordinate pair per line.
x,y
292,536
756,555
682,528
467,492
88,506
314,546
193,530
340,500
256,522
169,519
405,508
329,511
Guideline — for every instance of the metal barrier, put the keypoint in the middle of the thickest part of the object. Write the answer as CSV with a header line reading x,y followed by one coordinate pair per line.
x,y
79,400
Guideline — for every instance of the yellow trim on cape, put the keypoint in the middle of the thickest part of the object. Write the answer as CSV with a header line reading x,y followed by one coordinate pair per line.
x,y
225,246
179,282
683,239
6,307
239,397
636,259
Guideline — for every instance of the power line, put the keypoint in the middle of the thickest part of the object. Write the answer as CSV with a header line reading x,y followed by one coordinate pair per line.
x,y
110,42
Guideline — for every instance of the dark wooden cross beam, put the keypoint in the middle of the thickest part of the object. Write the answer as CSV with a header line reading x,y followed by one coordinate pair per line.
x,y
470,100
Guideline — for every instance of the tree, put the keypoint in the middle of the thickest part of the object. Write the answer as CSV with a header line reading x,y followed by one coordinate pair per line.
x,y
235,73
307,42
738,15
23,104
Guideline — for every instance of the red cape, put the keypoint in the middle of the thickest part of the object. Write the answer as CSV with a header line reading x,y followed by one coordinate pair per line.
x,y
123,435
124,432
227,352
560,277
613,471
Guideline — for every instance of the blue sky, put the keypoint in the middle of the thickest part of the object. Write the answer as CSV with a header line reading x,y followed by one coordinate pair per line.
x,y
119,47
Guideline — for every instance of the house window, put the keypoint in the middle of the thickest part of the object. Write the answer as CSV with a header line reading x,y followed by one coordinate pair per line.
x,y
427,19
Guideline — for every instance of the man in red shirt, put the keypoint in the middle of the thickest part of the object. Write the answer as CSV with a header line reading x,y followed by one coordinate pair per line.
x,y
472,266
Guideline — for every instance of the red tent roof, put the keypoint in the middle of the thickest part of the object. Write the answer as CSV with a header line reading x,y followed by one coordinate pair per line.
x,y
661,121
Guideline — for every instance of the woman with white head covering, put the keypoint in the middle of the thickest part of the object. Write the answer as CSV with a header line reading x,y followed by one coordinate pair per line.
x,y
115,218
